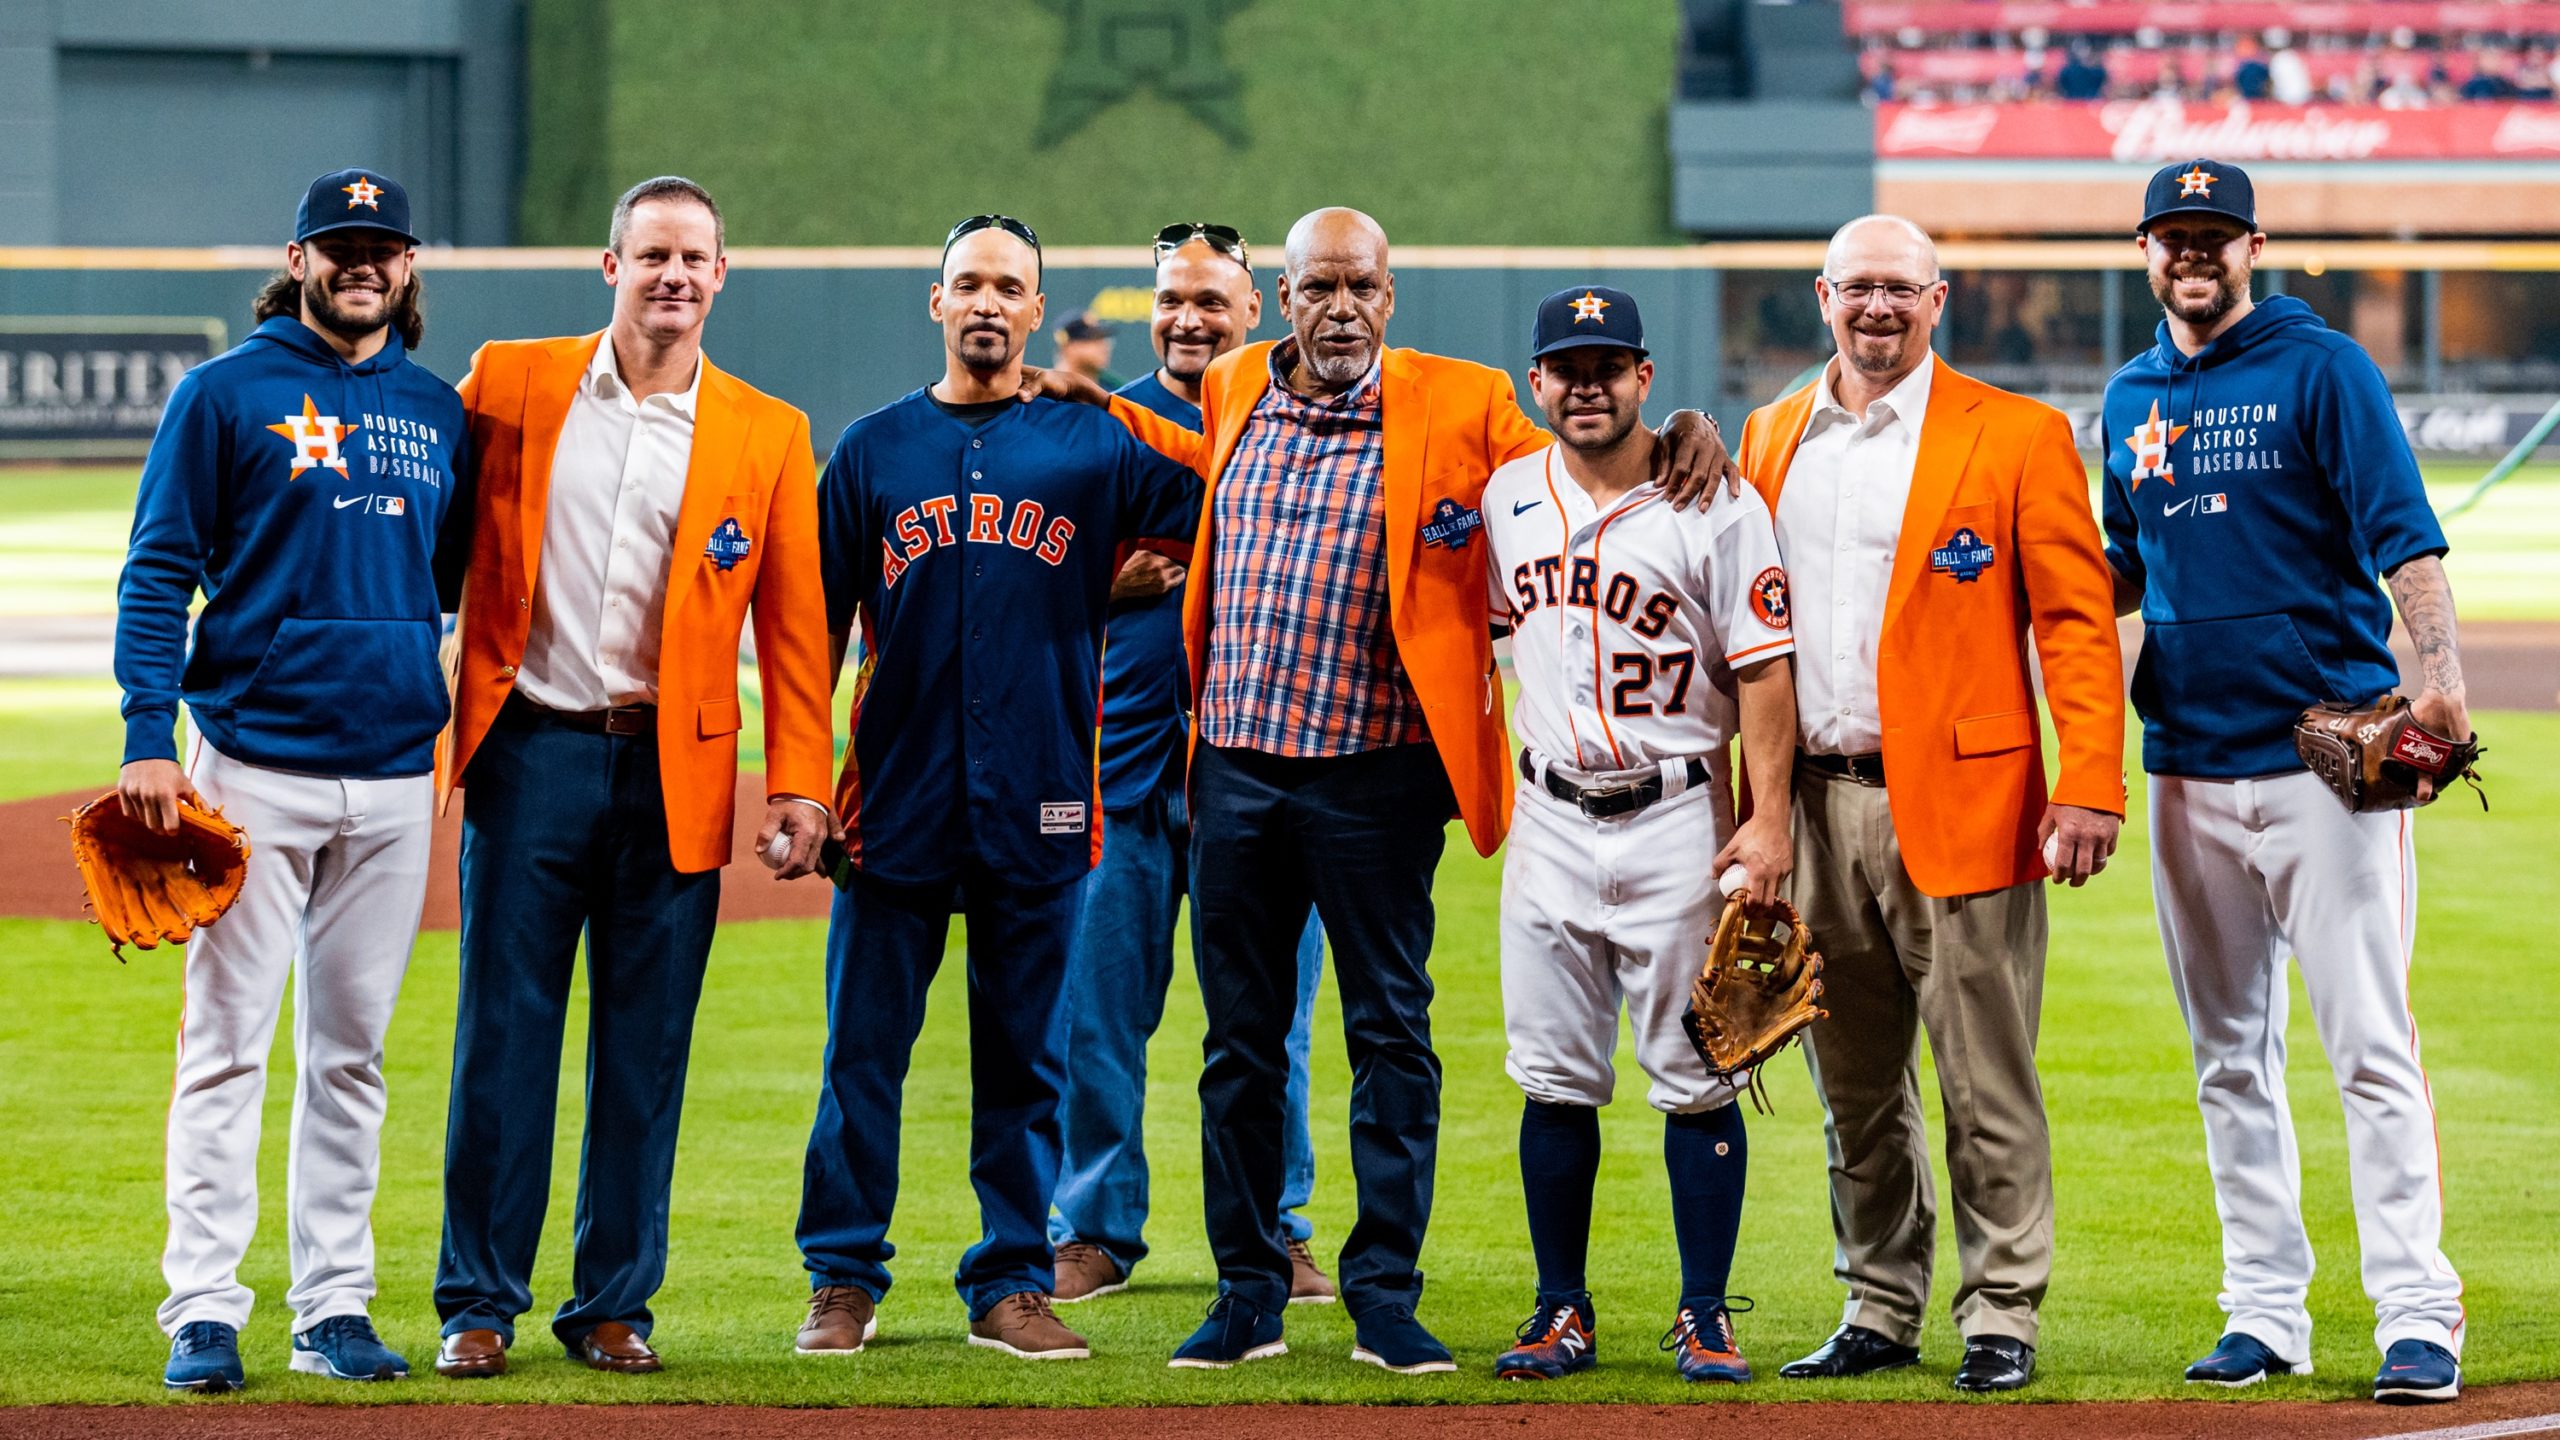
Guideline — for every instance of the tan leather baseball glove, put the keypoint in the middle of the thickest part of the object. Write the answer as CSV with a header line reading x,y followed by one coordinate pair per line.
x,y
2375,755
1758,989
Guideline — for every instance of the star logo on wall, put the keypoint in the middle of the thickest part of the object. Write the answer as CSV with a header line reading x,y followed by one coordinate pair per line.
x,y
365,193
1114,48
1589,307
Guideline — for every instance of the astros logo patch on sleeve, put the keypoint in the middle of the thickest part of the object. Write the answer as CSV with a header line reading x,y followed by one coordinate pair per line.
x,y
1769,597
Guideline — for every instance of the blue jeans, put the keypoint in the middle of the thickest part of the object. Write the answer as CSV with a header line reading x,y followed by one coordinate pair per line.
x,y
884,943
564,832
1116,981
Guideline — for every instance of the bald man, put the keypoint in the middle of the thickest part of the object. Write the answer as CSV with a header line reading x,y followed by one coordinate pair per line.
x,y
1347,707
1931,526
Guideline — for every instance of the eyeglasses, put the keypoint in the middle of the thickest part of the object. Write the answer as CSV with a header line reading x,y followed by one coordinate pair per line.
x,y
1221,238
1897,295
976,223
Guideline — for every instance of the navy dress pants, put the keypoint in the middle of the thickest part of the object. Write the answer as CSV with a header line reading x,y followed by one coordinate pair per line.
x,y
884,944
1360,837
564,831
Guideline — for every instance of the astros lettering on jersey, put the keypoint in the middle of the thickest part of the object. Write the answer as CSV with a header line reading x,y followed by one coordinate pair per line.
x,y
1627,625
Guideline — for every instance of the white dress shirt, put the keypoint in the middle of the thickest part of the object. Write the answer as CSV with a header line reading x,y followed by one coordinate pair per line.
x,y
617,481
1839,520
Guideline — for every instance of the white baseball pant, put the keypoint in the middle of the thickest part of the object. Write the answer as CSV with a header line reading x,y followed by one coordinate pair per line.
x,y
2245,872
1595,912
337,879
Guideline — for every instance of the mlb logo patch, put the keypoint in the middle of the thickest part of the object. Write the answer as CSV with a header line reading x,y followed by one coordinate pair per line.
x,y
2213,504
1062,817
390,505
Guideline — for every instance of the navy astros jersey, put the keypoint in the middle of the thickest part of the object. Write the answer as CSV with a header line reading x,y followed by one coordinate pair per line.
x,y
2254,491
1144,674
980,550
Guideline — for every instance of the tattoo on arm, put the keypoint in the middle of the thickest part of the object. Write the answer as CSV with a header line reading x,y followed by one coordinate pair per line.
x,y
2425,599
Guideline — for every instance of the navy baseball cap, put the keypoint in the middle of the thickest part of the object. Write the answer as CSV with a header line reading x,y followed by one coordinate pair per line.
x,y
1586,315
353,200
2199,187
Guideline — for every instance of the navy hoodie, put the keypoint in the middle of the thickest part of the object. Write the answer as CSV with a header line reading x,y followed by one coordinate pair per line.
x,y
2288,488
323,509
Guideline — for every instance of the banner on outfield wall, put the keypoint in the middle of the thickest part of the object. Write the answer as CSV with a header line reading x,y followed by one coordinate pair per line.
x,y
2155,132
2126,17
93,385
2436,426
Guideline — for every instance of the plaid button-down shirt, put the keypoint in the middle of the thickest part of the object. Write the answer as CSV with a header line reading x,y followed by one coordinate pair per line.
x,y
1302,660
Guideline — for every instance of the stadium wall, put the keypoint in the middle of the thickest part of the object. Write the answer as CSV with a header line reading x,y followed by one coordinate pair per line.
x,y
1098,121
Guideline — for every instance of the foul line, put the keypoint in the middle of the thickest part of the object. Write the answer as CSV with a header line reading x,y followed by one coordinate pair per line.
x,y
2529,1425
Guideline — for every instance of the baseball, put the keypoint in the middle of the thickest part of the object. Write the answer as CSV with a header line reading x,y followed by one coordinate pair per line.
x,y
2053,851
778,848
1734,878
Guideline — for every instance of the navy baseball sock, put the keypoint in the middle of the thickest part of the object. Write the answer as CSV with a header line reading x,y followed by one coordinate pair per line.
x,y
1707,1158
1559,1163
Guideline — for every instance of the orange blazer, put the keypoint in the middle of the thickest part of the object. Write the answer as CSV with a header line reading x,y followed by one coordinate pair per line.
x,y
750,463
1963,756
1449,423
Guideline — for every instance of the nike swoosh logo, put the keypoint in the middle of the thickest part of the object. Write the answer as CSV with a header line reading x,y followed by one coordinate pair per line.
x,y
2181,505
1525,506
343,502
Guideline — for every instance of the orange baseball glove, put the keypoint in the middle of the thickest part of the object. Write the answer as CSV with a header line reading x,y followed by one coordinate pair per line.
x,y
146,887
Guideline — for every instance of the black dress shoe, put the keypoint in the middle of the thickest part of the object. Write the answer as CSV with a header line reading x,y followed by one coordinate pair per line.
x,y
1851,1350
1996,1362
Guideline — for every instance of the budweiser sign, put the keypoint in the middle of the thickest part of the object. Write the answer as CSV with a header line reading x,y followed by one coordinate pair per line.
x,y
2152,132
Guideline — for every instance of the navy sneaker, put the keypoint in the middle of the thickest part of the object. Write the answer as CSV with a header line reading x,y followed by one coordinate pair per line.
x,y
2417,1372
204,1357
344,1347
1391,1339
1701,1342
1237,1330
2239,1360
1555,1341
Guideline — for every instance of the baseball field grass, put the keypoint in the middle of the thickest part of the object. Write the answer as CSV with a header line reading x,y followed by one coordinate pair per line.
x,y
86,1048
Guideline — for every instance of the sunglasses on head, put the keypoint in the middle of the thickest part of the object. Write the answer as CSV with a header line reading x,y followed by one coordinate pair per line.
x,y
1221,238
976,223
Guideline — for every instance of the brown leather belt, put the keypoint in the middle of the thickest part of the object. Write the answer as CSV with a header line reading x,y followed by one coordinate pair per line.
x,y
620,720
1864,769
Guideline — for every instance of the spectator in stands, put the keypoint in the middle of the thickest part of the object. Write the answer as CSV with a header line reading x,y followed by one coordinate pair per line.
x,y
2489,78
2535,76
2172,84
2403,92
2082,77
2288,74
2251,77
1880,86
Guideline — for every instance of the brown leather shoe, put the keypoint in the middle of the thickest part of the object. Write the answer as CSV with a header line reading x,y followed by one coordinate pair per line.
x,y
1307,1282
472,1355
1022,1325
841,1318
617,1348
1084,1272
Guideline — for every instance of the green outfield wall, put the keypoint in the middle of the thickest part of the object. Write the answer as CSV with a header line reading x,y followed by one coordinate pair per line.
x,y
879,122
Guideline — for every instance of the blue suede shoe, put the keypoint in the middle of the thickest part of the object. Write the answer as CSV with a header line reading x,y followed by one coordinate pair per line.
x,y
204,1357
1391,1339
2239,1360
2417,1372
344,1347
1237,1330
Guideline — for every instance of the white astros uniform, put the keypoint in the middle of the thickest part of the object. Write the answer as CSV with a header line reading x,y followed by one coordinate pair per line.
x,y
1626,628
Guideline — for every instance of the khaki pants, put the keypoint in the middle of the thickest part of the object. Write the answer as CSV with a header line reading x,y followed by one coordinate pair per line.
x,y
1971,969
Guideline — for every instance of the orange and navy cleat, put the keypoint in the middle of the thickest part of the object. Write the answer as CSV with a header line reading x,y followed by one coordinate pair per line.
x,y
1701,1342
1555,1340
